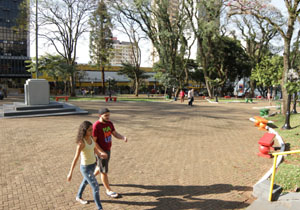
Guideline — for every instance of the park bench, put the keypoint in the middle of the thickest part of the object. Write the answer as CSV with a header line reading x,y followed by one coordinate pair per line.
x,y
266,142
227,96
59,97
111,98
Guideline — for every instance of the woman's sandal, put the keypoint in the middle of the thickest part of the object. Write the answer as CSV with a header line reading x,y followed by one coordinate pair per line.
x,y
112,194
80,200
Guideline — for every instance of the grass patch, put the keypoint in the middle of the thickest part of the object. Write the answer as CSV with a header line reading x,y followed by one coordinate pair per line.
x,y
288,172
233,100
288,176
119,98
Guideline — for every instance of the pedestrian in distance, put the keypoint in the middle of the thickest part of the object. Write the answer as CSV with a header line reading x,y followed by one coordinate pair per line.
x,y
86,149
269,98
181,94
1,93
191,97
103,130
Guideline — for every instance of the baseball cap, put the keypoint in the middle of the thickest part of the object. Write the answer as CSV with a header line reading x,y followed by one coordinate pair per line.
x,y
103,110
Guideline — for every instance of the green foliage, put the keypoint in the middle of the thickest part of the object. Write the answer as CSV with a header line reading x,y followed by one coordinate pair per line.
x,y
288,172
164,76
288,176
23,17
132,72
293,84
204,18
112,84
101,35
166,31
230,61
54,66
269,71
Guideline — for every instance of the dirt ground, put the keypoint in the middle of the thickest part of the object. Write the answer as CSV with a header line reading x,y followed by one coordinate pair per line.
x,y
177,157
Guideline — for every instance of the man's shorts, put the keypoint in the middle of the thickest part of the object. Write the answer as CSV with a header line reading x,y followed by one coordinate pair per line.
x,y
103,163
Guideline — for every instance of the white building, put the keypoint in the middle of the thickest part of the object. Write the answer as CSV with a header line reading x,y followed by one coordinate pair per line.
x,y
122,52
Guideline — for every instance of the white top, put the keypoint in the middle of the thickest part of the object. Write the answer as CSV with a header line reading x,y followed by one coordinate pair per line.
x,y
190,94
87,155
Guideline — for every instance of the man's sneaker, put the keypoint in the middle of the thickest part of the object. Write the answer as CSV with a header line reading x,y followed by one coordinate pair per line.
x,y
81,200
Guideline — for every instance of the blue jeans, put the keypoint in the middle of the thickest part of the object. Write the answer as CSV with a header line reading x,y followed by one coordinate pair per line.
x,y
87,172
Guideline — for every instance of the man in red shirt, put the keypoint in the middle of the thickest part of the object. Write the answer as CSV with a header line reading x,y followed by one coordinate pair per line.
x,y
103,129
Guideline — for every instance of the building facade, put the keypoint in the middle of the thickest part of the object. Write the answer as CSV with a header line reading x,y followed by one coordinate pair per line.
x,y
89,77
14,46
122,52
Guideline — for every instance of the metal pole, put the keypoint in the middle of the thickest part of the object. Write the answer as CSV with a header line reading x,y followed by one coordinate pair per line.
x,y
295,103
272,177
36,40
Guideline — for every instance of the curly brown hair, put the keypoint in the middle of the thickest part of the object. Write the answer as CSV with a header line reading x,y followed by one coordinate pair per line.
x,y
84,126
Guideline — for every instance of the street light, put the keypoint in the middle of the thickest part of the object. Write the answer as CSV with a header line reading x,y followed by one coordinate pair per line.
x,y
294,111
36,41
95,79
292,76
92,92
109,91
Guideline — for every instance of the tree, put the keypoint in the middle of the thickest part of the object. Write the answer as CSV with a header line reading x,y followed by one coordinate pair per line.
x,y
62,23
167,32
257,34
295,64
268,72
134,33
229,62
262,9
101,38
204,18
55,66
133,73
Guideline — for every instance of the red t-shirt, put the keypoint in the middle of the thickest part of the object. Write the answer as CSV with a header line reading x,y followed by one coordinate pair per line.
x,y
103,131
182,93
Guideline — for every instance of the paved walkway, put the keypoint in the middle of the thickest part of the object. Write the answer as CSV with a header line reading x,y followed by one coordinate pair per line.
x,y
177,158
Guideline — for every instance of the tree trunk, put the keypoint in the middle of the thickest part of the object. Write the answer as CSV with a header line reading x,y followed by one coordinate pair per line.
x,y
286,67
177,92
72,86
208,87
136,92
103,80
252,88
65,87
55,87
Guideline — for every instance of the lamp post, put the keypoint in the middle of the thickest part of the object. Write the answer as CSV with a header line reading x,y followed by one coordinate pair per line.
x,y
292,75
36,40
95,79
294,111
92,87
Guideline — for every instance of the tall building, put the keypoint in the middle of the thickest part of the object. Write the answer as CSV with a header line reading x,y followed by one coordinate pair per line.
x,y
173,9
122,52
14,46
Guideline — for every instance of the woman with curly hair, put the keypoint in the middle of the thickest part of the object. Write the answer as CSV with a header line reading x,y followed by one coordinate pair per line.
x,y
86,148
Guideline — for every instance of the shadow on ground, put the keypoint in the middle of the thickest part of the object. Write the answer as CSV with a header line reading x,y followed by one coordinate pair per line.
x,y
189,197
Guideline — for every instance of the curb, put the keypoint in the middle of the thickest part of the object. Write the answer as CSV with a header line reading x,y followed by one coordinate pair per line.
x,y
279,159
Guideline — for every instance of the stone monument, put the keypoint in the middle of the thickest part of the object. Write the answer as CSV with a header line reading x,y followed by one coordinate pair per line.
x,y
37,92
